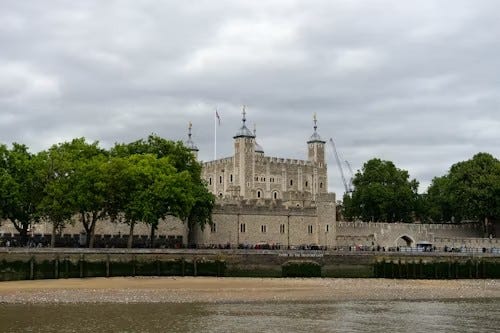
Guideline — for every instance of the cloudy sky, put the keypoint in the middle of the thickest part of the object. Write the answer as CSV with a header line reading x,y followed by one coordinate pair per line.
x,y
414,82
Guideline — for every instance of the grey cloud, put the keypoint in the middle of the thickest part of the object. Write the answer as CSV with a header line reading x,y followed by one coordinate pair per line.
x,y
415,83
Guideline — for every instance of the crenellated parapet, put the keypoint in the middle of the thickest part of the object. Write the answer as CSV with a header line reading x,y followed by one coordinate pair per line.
x,y
219,162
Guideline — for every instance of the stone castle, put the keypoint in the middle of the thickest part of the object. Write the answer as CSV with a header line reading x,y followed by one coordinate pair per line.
x,y
278,201
272,200
249,174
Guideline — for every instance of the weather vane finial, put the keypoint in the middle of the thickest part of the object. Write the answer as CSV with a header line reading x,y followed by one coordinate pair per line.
x,y
244,114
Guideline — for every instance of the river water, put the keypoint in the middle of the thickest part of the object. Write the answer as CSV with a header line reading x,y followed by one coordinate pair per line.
x,y
340,316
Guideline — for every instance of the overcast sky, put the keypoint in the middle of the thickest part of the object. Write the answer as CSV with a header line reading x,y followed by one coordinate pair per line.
x,y
414,82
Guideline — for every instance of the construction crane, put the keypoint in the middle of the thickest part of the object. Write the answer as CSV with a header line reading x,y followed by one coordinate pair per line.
x,y
350,173
347,186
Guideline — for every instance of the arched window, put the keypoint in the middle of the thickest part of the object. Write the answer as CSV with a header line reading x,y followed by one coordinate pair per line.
x,y
258,194
307,183
320,185
291,182
220,179
231,178
210,180
275,195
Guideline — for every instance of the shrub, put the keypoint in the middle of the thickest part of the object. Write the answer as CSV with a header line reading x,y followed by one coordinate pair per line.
x,y
301,269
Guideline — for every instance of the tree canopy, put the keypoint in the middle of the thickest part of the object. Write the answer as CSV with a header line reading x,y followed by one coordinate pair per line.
x,y
469,191
382,192
21,185
143,181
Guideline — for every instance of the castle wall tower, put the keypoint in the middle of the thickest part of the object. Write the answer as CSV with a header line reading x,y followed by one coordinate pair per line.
x,y
244,157
190,144
316,146
316,154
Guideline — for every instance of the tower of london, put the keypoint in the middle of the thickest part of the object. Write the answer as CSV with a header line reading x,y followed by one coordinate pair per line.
x,y
266,199
250,174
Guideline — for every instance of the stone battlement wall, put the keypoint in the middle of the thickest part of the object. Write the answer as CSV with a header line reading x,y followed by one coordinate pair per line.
x,y
221,161
288,161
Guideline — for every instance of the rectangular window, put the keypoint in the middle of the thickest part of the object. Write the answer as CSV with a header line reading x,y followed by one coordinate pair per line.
x,y
310,229
213,228
282,228
243,227
327,228
263,228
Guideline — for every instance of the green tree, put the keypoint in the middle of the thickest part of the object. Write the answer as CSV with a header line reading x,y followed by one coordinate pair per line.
x,y
144,188
469,191
201,211
21,187
87,191
182,159
382,193
56,205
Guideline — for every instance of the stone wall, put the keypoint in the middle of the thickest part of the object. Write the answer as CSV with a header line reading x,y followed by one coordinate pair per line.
x,y
279,225
169,227
406,234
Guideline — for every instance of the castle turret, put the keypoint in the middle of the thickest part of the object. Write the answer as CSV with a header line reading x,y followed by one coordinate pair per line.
x,y
316,154
244,156
190,144
316,146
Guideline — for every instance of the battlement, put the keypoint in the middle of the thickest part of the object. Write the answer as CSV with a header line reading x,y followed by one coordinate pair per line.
x,y
221,161
262,207
406,226
279,160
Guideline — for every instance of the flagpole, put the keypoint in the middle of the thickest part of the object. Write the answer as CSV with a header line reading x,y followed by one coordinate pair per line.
x,y
215,136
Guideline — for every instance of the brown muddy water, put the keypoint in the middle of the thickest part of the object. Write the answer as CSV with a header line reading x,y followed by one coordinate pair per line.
x,y
461,315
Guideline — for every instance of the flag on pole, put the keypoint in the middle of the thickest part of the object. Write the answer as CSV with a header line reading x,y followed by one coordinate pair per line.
x,y
217,116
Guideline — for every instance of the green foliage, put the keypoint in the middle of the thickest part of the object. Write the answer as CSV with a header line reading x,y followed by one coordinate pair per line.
x,y
182,190
301,268
21,185
469,191
142,181
382,193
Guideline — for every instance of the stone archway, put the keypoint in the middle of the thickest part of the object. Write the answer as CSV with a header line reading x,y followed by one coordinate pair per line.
x,y
405,240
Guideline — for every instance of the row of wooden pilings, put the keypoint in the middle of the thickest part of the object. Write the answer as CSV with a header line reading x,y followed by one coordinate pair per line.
x,y
420,269
66,267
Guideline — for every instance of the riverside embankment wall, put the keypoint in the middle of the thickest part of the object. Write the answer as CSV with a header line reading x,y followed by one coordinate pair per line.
x,y
19,264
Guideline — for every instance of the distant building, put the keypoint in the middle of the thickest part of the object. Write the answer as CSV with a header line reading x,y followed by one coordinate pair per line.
x,y
250,174
271,200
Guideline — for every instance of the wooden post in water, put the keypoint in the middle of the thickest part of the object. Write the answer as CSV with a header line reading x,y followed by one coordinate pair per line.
x,y
32,268
81,262
56,267
66,267
107,266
